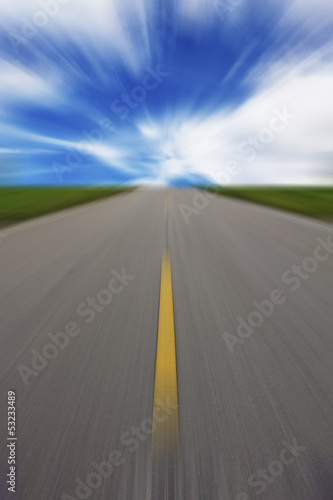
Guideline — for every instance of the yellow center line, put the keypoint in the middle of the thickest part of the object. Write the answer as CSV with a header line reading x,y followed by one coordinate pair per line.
x,y
165,439
165,207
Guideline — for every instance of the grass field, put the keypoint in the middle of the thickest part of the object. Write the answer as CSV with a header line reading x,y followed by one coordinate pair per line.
x,y
313,201
21,203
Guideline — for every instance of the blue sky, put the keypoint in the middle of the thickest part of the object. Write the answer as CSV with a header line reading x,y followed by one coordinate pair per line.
x,y
166,92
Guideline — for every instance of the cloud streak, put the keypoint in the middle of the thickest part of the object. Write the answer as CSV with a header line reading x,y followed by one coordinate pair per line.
x,y
69,66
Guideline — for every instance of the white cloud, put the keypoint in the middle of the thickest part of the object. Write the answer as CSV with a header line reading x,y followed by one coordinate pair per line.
x,y
205,145
17,82
180,145
96,25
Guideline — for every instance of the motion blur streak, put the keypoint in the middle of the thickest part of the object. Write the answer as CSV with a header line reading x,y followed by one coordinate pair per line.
x,y
139,91
236,410
209,377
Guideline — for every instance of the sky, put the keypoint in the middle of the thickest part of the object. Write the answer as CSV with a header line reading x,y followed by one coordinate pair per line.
x,y
166,92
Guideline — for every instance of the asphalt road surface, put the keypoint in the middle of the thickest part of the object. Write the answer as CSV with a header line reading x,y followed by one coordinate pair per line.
x,y
80,296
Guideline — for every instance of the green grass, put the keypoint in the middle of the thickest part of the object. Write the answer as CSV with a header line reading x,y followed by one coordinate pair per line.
x,y
312,201
21,203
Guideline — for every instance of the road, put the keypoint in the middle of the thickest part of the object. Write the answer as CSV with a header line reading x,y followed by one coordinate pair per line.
x,y
80,298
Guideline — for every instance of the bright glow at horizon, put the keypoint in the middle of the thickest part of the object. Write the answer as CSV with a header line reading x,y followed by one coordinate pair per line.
x,y
136,91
